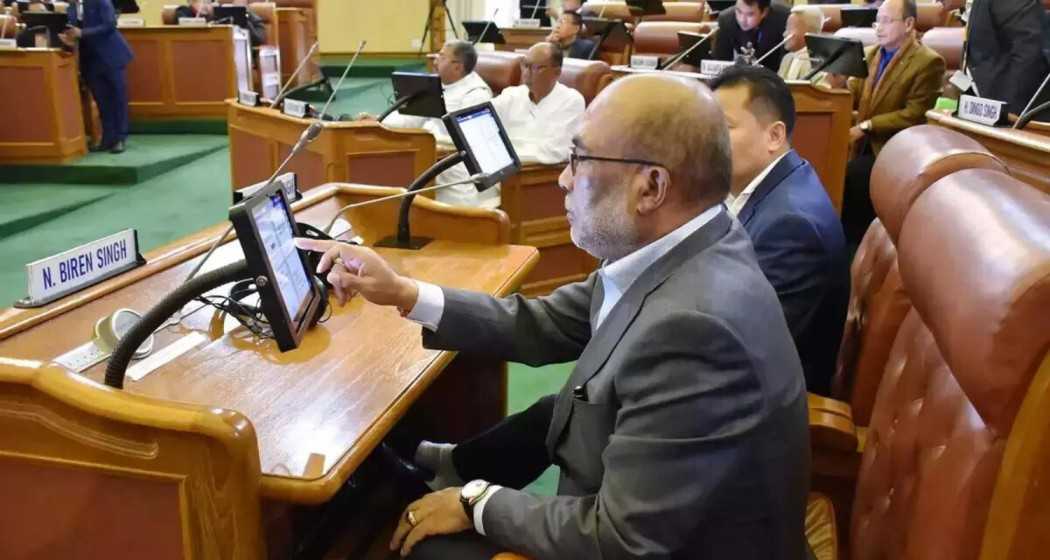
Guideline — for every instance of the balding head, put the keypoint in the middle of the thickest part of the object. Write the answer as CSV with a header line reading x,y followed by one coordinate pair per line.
x,y
677,129
540,69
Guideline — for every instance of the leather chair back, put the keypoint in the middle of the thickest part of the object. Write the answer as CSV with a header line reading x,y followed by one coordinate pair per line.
x,y
61,7
680,11
8,26
974,255
910,162
661,37
167,14
931,15
948,42
833,13
499,69
607,10
865,35
589,77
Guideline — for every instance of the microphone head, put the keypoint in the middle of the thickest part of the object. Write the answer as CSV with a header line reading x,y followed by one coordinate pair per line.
x,y
312,132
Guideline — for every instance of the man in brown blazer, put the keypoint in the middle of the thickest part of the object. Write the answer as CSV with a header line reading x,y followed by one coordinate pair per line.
x,y
904,80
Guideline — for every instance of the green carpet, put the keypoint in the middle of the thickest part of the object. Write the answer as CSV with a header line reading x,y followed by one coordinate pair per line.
x,y
25,206
524,386
147,156
333,66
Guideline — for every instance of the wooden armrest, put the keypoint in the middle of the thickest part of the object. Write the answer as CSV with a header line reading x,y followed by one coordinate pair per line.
x,y
831,424
508,556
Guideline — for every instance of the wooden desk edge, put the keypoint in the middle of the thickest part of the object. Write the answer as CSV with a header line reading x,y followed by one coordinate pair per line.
x,y
1021,138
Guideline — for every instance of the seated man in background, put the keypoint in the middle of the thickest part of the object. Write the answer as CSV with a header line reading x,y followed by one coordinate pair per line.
x,y
750,30
782,204
796,65
541,115
194,9
463,87
566,34
256,27
904,80
683,431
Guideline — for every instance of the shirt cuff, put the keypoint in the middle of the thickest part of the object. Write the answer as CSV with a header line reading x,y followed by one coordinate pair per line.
x,y
479,510
429,307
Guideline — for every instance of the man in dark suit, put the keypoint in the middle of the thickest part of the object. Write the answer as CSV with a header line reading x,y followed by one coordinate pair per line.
x,y
195,8
1005,50
783,205
682,431
751,29
567,36
103,56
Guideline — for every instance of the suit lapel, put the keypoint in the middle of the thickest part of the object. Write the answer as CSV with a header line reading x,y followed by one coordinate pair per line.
x,y
888,77
622,315
597,295
786,166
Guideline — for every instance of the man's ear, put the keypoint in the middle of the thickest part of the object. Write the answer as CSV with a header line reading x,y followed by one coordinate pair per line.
x,y
652,188
776,136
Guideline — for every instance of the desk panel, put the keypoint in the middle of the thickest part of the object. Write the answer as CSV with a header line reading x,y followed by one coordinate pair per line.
x,y
41,119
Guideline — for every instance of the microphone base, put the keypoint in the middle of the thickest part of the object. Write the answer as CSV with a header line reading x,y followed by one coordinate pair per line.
x,y
414,243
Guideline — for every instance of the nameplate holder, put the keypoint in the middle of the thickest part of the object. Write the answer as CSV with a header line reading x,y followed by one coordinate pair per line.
x,y
714,67
527,23
131,22
248,98
961,80
982,111
645,62
193,22
295,108
51,278
288,181
271,79
8,44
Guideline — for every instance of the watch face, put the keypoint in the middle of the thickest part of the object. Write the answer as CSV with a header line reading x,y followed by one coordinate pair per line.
x,y
474,488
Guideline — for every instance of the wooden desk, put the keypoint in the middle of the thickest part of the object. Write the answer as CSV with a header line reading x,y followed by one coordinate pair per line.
x,y
823,118
295,32
260,138
41,119
1026,154
319,410
182,72
522,37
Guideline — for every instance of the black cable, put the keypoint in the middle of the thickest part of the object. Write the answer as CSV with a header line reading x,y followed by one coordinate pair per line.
x,y
155,317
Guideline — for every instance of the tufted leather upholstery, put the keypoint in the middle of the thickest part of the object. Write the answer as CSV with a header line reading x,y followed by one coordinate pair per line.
x,y
499,69
680,11
589,77
167,14
865,35
607,10
661,37
974,256
911,161
948,42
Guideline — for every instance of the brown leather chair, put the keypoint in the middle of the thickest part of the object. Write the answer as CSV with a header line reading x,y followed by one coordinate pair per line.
x,y
948,42
930,15
865,35
660,38
589,77
267,12
680,11
833,13
499,69
8,26
911,161
167,14
607,10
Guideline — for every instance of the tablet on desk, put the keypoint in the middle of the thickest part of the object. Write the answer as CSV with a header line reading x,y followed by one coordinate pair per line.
x,y
478,133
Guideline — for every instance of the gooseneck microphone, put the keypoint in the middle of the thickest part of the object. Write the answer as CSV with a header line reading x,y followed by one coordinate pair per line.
x,y
1029,113
774,49
487,25
678,58
288,83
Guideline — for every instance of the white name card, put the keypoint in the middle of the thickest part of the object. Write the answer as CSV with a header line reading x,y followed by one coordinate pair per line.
x,y
294,108
131,22
961,80
8,44
645,62
981,110
530,23
193,21
714,67
288,183
249,98
53,277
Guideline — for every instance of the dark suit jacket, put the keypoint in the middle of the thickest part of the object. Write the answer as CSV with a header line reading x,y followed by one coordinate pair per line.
x,y
580,48
692,441
730,38
802,251
102,47
1005,51
909,87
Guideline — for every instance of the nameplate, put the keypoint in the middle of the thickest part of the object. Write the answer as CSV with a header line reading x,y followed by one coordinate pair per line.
x,y
528,23
980,110
271,79
53,277
294,108
193,21
714,67
288,181
131,22
249,98
8,44
645,62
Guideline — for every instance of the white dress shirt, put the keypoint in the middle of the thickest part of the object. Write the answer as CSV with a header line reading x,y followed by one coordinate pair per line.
x,y
736,203
541,132
616,277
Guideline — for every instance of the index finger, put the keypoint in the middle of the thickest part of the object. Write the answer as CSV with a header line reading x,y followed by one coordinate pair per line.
x,y
315,245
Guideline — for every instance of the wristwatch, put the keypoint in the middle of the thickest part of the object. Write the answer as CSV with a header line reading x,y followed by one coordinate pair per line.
x,y
472,493
865,126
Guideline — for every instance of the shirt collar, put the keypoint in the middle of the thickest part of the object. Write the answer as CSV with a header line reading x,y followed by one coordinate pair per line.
x,y
736,203
623,272
464,82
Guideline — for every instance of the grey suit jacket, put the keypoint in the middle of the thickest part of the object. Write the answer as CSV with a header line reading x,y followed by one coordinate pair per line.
x,y
693,438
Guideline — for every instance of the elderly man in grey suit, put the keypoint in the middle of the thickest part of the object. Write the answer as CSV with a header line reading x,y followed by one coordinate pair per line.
x,y
682,431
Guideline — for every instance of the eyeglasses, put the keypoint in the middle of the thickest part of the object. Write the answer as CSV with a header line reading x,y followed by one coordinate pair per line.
x,y
881,22
533,68
575,159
